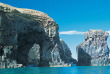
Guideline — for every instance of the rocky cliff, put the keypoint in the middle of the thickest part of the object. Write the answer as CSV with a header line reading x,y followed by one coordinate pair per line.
x,y
29,37
67,52
94,51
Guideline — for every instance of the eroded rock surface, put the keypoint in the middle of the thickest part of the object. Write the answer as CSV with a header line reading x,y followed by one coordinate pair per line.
x,y
94,51
34,55
24,32
67,52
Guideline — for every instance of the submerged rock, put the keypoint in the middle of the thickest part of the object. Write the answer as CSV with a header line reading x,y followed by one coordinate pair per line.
x,y
28,37
94,51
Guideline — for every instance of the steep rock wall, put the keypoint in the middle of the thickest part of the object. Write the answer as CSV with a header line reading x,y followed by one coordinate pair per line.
x,y
24,31
94,51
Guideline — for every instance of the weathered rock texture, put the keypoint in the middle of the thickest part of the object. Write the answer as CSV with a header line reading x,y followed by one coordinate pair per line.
x,y
94,51
28,37
67,52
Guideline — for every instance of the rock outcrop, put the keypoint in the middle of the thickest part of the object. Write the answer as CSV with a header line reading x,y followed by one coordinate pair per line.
x,y
67,52
94,51
34,55
28,37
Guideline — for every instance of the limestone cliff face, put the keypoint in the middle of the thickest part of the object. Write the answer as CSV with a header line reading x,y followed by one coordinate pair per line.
x,y
94,51
28,37
67,52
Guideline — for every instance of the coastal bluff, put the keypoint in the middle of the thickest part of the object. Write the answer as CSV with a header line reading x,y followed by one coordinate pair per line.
x,y
30,38
94,51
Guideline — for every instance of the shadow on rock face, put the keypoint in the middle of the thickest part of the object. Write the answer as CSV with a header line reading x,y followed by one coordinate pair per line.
x,y
25,32
94,50
84,59
1,51
26,42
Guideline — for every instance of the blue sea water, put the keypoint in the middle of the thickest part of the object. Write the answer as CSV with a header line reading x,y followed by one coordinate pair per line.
x,y
57,70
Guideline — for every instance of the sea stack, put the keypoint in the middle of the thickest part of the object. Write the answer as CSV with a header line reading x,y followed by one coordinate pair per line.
x,y
94,51
29,38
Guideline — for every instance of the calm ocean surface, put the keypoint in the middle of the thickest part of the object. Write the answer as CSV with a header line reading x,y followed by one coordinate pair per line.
x,y
58,70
